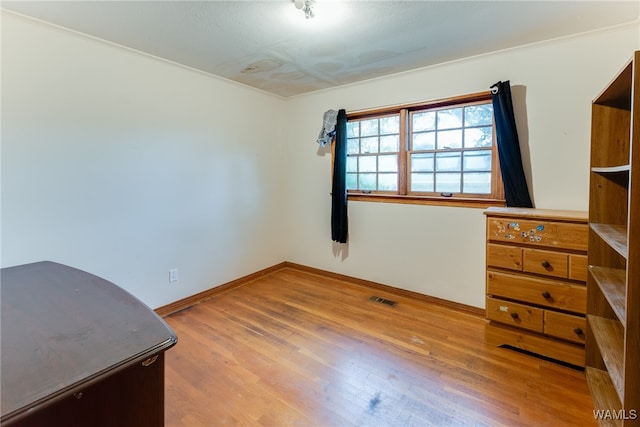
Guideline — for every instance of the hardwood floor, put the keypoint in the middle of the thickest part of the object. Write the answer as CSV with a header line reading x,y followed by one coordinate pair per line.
x,y
298,349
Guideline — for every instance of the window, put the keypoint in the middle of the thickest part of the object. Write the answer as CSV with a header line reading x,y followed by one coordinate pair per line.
x,y
373,152
438,152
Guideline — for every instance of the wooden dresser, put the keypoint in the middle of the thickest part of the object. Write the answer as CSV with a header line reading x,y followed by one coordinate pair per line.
x,y
536,275
78,350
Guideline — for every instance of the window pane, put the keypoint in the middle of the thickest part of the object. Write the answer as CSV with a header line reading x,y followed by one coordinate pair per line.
x,y
479,183
367,181
422,182
478,137
447,182
369,127
388,163
388,181
448,162
353,146
449,119
477,160
389,144
424,141
368,164
422,162
353,129
352,181
423,121
369,145
450,139
389,125
476,115
352,164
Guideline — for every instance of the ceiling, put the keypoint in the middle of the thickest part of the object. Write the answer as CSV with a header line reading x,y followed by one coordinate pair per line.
x,y
270,45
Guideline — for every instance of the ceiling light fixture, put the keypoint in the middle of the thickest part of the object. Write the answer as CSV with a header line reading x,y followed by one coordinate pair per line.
x,y
306,6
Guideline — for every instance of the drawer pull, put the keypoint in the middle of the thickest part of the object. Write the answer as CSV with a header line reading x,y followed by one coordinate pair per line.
x,y
514,315
545,264
149,361
577,331
546,295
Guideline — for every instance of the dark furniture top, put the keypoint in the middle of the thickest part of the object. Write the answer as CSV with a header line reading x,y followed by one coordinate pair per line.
x,y
63,329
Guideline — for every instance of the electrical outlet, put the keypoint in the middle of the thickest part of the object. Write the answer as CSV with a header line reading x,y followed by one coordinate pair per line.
x,y
173,275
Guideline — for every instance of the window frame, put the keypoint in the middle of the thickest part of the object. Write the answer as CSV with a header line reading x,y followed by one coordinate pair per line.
x,y
403,195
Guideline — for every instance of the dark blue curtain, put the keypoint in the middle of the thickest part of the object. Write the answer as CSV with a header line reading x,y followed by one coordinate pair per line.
x,y
339,223
515,184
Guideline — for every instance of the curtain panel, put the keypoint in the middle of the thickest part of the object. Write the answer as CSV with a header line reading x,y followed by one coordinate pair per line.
x,y
515,184
339,222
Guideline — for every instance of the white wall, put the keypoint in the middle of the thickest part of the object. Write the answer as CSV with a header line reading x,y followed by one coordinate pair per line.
x,y
126,166
439,251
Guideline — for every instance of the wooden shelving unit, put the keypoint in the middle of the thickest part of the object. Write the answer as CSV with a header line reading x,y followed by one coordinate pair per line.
x,y
613,283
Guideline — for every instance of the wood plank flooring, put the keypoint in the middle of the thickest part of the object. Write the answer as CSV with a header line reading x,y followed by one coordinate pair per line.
x,y
298,349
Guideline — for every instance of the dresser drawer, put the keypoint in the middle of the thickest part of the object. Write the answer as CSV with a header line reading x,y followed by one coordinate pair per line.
x,y
578,267
538,233
546,262
504,256
544,292
565,326
510,313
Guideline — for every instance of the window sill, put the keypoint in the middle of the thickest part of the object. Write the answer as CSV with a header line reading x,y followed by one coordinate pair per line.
x,y
479,203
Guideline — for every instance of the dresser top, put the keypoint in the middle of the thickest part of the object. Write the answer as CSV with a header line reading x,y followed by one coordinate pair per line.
x,y
561,215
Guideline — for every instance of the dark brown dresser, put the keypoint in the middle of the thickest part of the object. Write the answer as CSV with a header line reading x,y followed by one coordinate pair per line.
x,y
77,350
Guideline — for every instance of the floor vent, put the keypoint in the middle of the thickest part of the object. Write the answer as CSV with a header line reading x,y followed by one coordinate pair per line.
x,y
382,300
